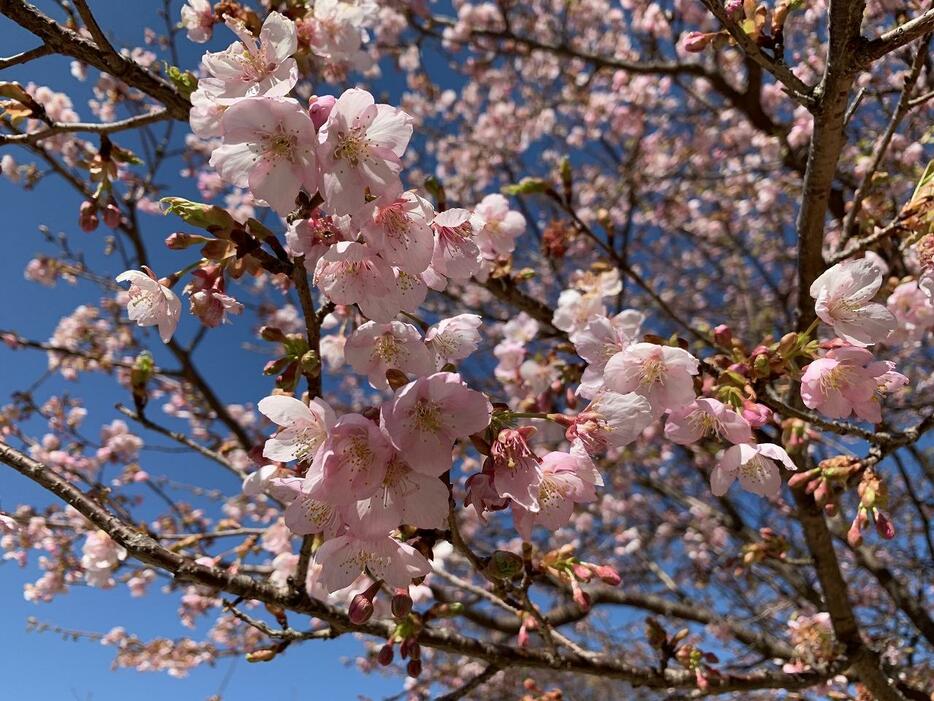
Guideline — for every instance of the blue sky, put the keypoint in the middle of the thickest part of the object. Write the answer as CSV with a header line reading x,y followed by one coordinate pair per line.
x,y
43,667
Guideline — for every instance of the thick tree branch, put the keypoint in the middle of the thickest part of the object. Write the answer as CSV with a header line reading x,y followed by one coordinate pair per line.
x,y
61,40
147,550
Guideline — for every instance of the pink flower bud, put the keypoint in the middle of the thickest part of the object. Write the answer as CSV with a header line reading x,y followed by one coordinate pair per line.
x,y
582,572
723,335
385,655
361,608
87,216
320,109
696,42
401,604
884,526
756,414
112,216
608,575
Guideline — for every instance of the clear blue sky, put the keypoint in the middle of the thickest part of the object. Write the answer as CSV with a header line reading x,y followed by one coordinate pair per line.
x,y
43,667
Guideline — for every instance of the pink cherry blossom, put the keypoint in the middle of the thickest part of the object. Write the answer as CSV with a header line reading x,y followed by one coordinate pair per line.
x,y
482,495
501,227
335,30
407,497
428,415
366,549
151,303
707,418
844,382
198,19
375,348
456,254
612,420
248,68
566,479
913,312
311,238
576,309
304,428
257,482
755,467
269,146
352,273
400,230
600,340
305,514
409,291
843,297
516,469
361,147
100,556
661,374
454,338
352,462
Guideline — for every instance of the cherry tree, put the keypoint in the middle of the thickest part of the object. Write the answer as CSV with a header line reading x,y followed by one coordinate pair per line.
x,y
599,339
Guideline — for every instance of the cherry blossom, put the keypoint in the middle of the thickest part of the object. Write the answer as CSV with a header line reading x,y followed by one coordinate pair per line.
x,y
611,420
407,497
516,469
304,427
151,303
843,299
566,480
844,382
269,147
198,19
400,231
100,556
600,340
661,374
707,418
365,549
352,273
248,68
755,467
913,312
501,227
305,514
428,415
335,30
352,462
311,238
453,338
456,254
361,146
375,348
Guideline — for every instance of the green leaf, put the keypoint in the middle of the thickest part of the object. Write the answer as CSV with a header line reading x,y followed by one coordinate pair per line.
x,y
185,82
527,186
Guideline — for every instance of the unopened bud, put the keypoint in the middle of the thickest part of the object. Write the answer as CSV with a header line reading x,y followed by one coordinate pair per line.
x,y
361,608
401,604
608,575
272,334
385,655
87,216
179,241
265,655
413,668
723,335
884,526
695,42
582,572
112,216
